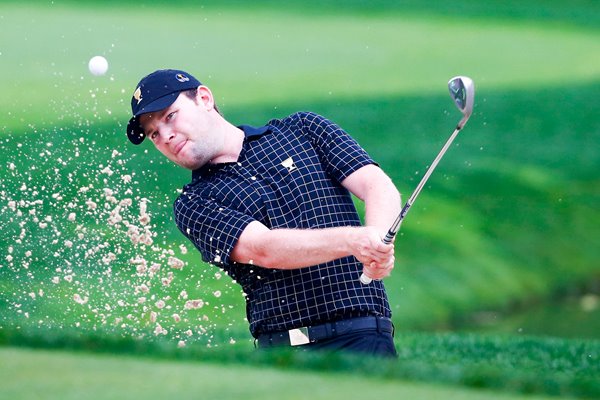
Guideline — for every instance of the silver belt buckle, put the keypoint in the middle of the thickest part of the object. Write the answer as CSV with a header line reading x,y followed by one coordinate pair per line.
x,y
299,336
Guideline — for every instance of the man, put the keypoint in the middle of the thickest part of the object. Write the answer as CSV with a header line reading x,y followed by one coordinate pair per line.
x,y
271,206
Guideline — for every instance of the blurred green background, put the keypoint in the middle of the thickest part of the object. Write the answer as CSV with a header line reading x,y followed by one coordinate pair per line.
x,y
503,240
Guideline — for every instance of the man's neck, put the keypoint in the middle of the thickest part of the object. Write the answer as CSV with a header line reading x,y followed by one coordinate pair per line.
x,y
233,140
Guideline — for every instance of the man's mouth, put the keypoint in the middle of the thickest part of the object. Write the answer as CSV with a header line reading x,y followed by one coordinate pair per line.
x,y
179,146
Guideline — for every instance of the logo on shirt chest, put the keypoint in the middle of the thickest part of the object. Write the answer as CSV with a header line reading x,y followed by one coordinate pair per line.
x,y
289,164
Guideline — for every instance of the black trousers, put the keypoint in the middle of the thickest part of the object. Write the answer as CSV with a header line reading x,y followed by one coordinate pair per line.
x,y
376,342
366,342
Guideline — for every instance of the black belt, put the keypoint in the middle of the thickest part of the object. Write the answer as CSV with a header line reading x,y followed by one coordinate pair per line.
x,y
310,334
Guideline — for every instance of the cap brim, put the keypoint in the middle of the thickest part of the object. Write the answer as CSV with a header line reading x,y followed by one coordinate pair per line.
x,y
135,133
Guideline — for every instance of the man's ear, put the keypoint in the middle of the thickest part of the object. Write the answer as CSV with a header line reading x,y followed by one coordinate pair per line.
x,y
205,97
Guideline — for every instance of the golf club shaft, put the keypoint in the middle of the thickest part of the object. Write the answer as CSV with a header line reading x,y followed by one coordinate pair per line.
x,y
389,237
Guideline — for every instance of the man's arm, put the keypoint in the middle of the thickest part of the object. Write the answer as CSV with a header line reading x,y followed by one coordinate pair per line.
x,y
382,206
381,198
299,248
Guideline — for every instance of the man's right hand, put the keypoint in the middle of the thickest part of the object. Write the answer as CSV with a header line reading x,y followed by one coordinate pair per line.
x,y
377,258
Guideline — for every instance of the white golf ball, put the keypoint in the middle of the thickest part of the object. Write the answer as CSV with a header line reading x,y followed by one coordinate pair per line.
x,y
98,65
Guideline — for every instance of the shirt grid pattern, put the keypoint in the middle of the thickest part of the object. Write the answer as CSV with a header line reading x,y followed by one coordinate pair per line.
x,y
287,176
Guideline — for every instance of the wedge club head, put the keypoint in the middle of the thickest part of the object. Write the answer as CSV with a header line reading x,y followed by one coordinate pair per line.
x,y
462,91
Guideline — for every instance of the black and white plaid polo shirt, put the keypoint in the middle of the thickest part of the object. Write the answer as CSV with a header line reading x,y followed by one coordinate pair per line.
x,y
288,175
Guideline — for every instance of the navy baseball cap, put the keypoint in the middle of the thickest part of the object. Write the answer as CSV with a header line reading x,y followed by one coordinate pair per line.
x,y
156,92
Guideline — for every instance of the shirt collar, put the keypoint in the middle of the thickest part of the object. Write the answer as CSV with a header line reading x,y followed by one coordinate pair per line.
x,y
250,132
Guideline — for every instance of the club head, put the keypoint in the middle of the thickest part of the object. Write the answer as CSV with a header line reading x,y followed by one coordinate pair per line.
x,y
462,91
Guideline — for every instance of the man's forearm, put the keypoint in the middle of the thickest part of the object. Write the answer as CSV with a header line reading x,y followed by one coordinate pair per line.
x,y
292,248
381,198
382,207
300,248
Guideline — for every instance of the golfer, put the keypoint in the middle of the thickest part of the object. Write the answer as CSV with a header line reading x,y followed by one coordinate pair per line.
x,y
272,207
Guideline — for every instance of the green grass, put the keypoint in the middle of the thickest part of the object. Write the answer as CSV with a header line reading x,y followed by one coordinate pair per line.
x,y
508,221
73,376
572,315
508,218
577,12
386,56
509,363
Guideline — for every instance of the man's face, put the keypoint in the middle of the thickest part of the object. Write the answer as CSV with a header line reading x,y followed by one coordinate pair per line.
x,y
183,132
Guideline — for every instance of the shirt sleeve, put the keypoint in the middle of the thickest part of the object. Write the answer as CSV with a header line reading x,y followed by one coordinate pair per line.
x,y
212,228
340,154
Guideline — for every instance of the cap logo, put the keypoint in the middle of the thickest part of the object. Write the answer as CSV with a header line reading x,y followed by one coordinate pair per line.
x,y
138,95
182,78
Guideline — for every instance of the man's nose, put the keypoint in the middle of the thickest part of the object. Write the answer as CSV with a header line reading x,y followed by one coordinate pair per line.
x,y
166,134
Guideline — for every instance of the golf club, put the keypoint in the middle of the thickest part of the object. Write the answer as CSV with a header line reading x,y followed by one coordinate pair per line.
x,y
462,91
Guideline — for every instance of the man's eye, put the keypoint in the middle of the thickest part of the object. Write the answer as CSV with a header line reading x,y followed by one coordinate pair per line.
x,y
170,116
154,135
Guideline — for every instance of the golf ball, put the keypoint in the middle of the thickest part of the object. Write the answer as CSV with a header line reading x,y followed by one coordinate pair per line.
x,y
98,65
